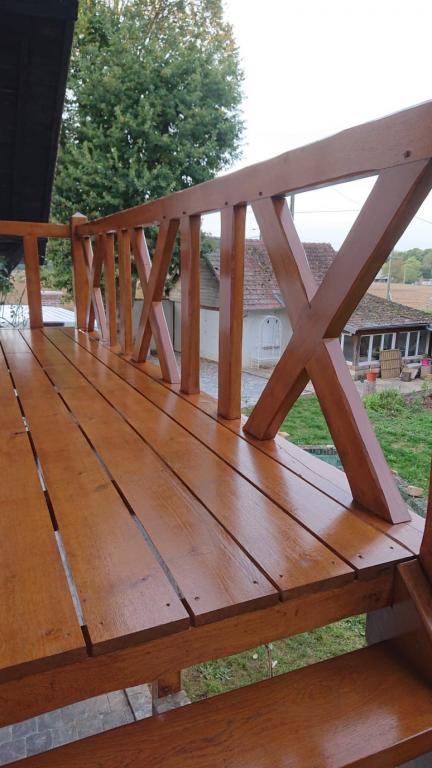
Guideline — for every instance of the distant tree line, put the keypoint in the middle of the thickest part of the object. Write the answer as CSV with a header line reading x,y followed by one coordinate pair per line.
x,y
409,266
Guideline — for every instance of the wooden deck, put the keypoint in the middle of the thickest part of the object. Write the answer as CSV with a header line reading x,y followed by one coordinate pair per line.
x,y
172,520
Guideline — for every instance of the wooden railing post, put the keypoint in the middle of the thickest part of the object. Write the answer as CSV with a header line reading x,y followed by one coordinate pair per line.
x,y
190,303
125,285
79,271
426,545
31,261
110,288
232,251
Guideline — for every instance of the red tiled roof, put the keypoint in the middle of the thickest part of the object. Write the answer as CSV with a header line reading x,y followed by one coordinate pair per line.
x,y
261,290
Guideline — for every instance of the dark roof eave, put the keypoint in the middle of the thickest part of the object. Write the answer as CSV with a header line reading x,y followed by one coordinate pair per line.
x,y
54,9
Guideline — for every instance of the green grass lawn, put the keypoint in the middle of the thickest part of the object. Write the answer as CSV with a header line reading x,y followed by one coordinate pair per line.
x,y
405,432
222,675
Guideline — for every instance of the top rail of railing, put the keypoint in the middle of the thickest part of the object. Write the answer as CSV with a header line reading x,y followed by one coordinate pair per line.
x,y
358,152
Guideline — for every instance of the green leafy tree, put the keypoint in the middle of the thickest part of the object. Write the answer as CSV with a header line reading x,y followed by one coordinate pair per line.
x,y
153,106
411,270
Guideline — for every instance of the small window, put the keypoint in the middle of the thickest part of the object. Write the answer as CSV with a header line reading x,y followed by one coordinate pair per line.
x,y
423,342
412,343
348,347
401,342
376,347
364,349
388,341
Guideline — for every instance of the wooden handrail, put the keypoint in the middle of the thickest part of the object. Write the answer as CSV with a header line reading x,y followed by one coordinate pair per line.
x,y
29,232
33,229
398,150
352,154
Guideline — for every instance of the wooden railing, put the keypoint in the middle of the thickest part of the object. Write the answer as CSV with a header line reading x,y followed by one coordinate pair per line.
x,y
397,149
30,231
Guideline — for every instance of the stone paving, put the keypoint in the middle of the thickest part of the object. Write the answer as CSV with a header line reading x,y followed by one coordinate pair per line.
x,y
86,718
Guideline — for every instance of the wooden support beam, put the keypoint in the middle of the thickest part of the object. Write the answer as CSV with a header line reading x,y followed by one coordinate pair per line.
x,y
166,685
158,323
155,286
426,546
190,227
125,285
31,261
110,288
319,314
79,271
95,307
232,249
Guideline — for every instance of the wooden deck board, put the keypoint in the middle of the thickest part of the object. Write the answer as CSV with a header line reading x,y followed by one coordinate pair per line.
x,y
124,594
351,536
39,628
292,557
215,577
363,709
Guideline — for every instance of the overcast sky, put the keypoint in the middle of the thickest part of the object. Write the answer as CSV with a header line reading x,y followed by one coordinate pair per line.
x,y
315,67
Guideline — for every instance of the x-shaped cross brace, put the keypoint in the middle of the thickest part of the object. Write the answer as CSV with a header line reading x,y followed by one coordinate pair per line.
x,y
95,307
152,278
318,315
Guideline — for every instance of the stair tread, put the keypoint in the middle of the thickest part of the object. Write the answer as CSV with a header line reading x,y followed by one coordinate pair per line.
x,y
342,712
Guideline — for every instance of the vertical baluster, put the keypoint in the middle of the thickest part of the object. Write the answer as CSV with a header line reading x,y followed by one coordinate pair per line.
x,y
426,545
110,288
31,261
232,248
80,275
190,303
95,307
125,284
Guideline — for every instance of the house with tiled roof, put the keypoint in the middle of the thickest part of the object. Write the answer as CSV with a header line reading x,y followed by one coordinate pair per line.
x,y
375,325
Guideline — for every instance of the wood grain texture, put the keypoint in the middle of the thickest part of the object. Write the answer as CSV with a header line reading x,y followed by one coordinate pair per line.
x,y
32,272
213,574
158,323
316,716
289,555
190,302
125,291
426,547
110,288
319,314
79,270
155,285
32,695
124,594
361,151
355,540
232,247
34,229
39,628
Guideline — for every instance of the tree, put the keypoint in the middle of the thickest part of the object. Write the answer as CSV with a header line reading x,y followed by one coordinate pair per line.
x,y
152,106
411,270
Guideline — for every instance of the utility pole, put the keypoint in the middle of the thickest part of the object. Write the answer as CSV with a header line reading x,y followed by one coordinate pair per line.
x,y
388,292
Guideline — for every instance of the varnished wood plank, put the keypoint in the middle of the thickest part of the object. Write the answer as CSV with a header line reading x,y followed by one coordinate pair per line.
x,y
317,473
34,229
190,228
361,709
213,574
32,272
125,287
361,151
125,596
39,628
288,554
355,540
79,271
158,321
426,547
110,289
231,279
154,289
32,695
